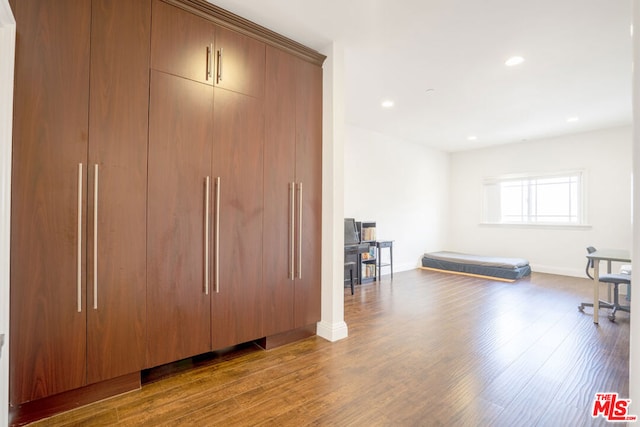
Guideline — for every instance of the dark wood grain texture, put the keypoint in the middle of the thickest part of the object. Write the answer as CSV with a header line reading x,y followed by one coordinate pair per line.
x,y
424,349
179,43
83,109
118,132
293,157
72,399
51,108
226,19
236,313
180,150
279,174
309,177
242,63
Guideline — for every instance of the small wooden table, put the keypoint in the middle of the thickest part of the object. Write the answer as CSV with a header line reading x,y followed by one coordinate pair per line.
x,y
609,255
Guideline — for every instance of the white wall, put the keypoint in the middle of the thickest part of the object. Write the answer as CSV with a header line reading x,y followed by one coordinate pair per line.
x,y
634,356
604,155
7,49
400,185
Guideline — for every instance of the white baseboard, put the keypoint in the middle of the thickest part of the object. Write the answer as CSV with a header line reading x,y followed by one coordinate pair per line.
x,y
568,272
537,268
332,331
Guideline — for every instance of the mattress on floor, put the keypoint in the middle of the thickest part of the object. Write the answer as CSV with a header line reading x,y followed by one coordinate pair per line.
x,y
506,268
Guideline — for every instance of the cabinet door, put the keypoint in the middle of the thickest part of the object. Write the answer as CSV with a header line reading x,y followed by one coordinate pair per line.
x,y
180,135
182,43
279,176
238,162
118,129
48,313
309,197
239,63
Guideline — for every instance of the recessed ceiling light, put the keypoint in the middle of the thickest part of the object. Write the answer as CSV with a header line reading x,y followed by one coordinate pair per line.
x,y
472,138
572,119
387,104
514,60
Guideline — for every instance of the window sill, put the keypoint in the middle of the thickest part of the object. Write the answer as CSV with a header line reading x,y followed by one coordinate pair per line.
x,y
537,226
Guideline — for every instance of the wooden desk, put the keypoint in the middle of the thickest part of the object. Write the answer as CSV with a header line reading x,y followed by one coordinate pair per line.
x,y
609,255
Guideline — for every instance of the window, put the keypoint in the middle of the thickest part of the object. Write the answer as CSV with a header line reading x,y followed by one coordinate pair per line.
x,y
534,199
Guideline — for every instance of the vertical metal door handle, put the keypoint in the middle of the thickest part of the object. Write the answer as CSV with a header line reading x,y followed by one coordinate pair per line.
x,y
292,220
218,190
300,231
79,241
209,61
219,76
95,237
206,235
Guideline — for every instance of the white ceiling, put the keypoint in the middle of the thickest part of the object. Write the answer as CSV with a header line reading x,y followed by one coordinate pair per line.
x,y
442,63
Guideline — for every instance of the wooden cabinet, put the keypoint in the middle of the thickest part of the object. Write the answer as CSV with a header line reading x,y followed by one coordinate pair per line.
x,y
48,269
279,207
240,62
180,181
76,279
117,197
166,191
192,47
205,189
309,177
179,218
292,181
236,313
182,43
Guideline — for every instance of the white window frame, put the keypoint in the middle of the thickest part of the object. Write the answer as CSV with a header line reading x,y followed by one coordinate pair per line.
x,y
492,211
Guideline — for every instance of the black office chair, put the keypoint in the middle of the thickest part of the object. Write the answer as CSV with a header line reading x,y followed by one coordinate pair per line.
x,y
612,279
616,280
588,268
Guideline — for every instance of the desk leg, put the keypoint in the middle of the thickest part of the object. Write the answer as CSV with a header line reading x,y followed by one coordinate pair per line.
x,y
609,297
596,293
378,263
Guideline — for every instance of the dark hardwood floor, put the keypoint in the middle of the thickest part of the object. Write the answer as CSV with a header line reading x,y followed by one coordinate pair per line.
x,y
426,349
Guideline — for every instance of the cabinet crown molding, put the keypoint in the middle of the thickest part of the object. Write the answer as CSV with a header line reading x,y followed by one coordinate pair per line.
x,y
224,18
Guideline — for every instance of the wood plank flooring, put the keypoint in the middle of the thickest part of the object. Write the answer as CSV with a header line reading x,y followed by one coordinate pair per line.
x,y
426,349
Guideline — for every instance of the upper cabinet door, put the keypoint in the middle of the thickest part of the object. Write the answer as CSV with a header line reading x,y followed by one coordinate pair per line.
x,y
240,63
182,43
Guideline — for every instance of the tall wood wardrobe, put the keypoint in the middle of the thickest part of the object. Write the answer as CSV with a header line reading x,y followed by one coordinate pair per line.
x,y
166,192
